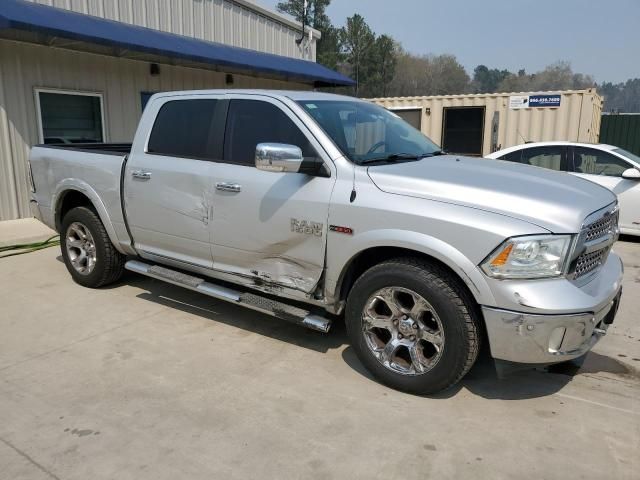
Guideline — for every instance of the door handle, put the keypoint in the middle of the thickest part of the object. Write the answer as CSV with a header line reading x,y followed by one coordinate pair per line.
x,y
228,187
139,174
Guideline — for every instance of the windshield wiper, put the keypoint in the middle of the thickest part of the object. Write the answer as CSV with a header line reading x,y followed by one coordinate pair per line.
x,y
394,157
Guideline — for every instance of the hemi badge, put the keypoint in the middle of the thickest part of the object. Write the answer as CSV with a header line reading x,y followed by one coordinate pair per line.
x,y
337,229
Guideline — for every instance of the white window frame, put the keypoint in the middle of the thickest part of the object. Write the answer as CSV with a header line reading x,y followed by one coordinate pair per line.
x,y
38,90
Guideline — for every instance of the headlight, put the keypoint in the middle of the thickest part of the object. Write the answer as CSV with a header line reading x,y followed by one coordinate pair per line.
x,y
536,256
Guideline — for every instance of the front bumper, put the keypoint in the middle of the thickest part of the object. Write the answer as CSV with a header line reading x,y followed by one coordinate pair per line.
x,y
550,337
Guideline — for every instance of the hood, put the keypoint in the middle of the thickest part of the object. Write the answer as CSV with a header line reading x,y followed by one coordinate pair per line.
x,y
553,200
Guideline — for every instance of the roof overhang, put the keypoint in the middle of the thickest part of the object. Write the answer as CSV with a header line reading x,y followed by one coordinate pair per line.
x,y
34,23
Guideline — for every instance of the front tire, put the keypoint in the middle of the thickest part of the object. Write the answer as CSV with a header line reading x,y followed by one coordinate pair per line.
x,y
412,325
88,254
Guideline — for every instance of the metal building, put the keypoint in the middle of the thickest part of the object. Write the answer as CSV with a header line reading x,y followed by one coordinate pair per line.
x,y
483,123
82,70
621,130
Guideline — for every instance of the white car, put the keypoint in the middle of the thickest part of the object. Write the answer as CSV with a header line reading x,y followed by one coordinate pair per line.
x,y
606,165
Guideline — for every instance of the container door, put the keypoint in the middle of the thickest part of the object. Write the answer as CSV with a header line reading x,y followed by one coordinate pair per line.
x,y
463,130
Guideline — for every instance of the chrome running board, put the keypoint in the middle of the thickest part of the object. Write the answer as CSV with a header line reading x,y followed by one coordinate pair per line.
x,y
253,301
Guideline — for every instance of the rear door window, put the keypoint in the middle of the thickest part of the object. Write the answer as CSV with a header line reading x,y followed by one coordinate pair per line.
x,y
512,156
250,122
184,128
552,157
597,162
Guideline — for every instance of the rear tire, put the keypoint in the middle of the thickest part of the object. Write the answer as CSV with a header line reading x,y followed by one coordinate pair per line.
x,y
88,253
413,325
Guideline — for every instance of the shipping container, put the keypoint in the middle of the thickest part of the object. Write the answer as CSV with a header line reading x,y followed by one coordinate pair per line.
x,y
478,124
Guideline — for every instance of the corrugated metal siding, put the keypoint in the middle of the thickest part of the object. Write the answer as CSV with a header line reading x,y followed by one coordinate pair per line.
x,y
622,131
235,23
577,118
23,67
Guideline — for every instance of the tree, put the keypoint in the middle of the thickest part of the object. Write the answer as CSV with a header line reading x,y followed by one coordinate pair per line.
x,y
384,61
316,12
558,76
409,78
621,97
447,76
516,83
328,47
429,75
486,80
357,41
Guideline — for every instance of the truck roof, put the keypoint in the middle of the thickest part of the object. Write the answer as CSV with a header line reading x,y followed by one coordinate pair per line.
x,y
296,95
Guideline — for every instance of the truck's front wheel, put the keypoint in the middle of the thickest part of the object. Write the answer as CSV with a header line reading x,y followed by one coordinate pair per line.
x,y
412,325
89,255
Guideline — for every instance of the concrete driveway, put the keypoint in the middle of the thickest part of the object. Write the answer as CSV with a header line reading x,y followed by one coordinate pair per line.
x,y
146,381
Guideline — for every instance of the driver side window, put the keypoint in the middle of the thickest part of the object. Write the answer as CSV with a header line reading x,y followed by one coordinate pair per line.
x,y
250,122
597,162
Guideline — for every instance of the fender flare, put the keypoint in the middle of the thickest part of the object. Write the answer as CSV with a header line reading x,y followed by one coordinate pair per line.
x,y
453,258
82,187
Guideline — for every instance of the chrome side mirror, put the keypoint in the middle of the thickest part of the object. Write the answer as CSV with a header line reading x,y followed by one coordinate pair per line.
x,y
631,174
278,157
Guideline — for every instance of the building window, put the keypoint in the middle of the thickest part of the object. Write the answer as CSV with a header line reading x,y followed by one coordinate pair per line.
x,y
70,117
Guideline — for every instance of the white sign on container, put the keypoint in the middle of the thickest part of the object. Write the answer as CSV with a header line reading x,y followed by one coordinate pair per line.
x,y
518,101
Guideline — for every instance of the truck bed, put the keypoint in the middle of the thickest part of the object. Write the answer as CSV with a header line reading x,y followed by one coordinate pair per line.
x,y
93,169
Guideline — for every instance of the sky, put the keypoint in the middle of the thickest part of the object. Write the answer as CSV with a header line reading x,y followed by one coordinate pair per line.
x,y
598,37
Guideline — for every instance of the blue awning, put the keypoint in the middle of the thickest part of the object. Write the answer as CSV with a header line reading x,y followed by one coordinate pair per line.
x,y
30,17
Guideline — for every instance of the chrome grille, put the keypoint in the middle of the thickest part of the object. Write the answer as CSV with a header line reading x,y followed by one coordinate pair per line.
x,y
600,228
588,262
593,236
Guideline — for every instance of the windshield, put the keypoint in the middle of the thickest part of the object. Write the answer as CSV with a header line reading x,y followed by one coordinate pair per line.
x,y
366,132
629,155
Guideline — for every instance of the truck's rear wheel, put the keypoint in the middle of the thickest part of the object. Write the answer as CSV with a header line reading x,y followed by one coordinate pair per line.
x,y
89,255
412,325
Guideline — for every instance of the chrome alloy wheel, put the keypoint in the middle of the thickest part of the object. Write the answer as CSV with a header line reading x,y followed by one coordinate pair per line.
x,y
403,331
81,248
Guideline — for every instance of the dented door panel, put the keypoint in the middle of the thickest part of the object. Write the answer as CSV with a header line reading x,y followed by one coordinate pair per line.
x,y
274,230
169,214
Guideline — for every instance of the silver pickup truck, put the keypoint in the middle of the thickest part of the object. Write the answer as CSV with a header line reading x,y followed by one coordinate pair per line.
x,y
313,207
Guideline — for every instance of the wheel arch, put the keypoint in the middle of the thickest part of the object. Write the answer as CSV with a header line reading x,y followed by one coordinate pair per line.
x,y
70,195
430,249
